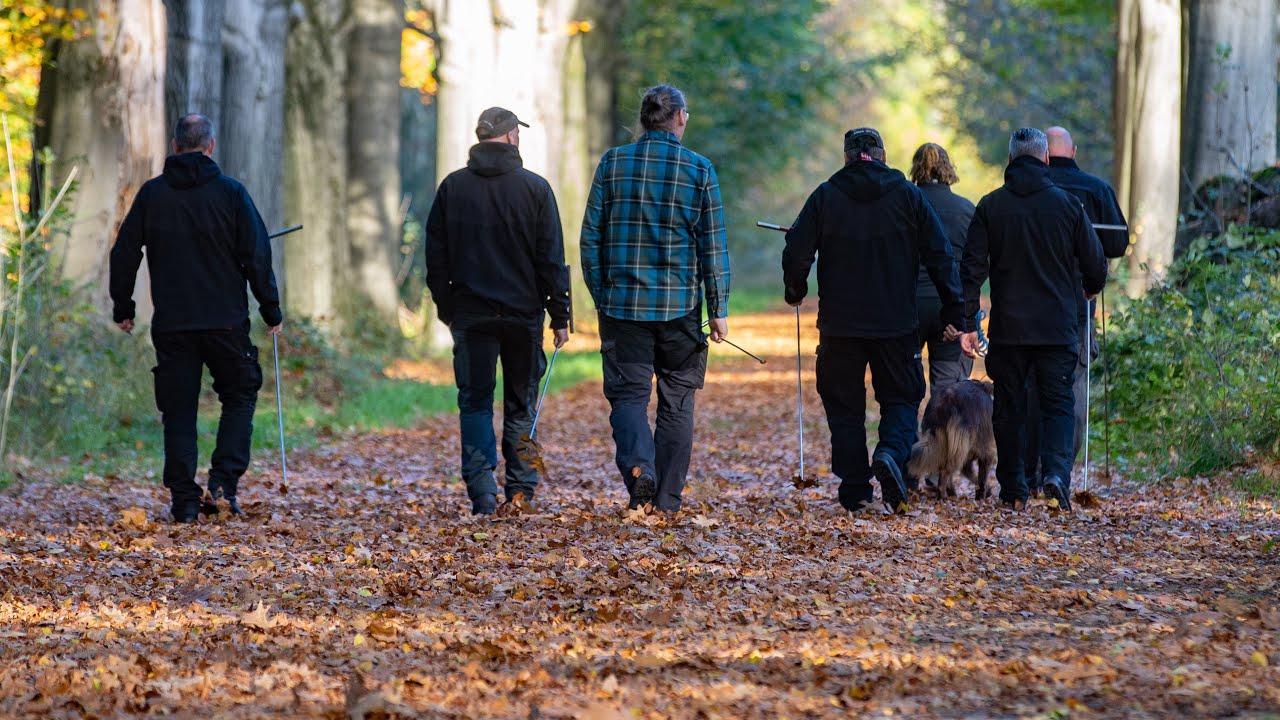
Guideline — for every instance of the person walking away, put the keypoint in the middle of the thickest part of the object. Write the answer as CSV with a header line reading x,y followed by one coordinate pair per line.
x,y
495,264
1037,247
1101,206
204,241
870,230
653,245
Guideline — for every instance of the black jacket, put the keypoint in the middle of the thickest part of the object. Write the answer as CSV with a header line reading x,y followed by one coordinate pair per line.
x,y
1039,249
494,240
955,212
871,229
204,239
1100,205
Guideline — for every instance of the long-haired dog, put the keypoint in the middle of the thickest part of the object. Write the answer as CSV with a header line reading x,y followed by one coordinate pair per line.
x,y
956,435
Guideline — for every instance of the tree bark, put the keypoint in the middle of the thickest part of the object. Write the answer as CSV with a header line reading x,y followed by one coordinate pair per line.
x,y
1148,96
193,82
101,107
373,141
316,156
466,76
1229,119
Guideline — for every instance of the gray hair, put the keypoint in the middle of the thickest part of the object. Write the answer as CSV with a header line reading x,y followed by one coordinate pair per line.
x,y
193,132
1028,141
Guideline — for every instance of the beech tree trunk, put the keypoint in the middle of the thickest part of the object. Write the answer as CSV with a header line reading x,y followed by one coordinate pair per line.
x,y
1229,118
316,156
1148,92
373,141
193,81
101,107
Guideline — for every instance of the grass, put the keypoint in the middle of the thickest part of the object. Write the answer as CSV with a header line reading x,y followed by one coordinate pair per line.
x,y
755,299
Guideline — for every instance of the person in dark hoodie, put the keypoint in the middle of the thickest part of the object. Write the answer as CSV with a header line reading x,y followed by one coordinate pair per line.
x,y
1037,246
204,241
1101,206
871,230
495,264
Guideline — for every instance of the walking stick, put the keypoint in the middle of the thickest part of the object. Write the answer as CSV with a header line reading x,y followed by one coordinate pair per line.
x,y
1088,385
800,481
284,468
1106,395
538,411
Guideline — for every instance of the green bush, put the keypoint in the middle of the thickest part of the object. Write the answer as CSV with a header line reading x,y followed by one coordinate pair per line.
x,y
1195,382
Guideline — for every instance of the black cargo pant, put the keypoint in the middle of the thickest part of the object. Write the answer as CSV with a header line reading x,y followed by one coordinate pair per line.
x,y
898,379
1031,457
633,353
233,362
480,338
1052,366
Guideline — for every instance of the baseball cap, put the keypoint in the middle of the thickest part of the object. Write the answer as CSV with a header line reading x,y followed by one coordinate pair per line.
x,y
496,122
863,138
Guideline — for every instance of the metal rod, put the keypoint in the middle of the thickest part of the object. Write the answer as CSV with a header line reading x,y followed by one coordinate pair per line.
x,y
1106,396
734,344
285,231
799,395
284,468
1088,386
771,226
1104,226
538,411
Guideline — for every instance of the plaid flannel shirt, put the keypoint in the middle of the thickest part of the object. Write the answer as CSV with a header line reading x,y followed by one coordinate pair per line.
x,y
654,230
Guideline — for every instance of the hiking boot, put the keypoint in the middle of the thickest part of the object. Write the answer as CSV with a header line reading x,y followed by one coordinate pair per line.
x,y
643,491
1053,490
218,491
891,487
485,504
188,512
853,496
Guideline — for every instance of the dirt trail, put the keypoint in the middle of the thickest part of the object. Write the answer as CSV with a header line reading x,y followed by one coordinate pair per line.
x,y
363,588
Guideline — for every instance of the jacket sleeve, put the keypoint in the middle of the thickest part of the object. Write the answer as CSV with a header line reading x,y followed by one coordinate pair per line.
x,y
253,252
592,237
975,265
801,248
1114,242
126,256
1088,250
437,257
713,248
938,257
552,274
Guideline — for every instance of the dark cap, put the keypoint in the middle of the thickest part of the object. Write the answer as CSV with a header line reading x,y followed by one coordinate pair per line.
x,y
496,122
863,138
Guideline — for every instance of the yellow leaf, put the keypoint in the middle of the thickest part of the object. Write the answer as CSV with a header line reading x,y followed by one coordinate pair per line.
x,y
364,592
359,640
1258,658
480,536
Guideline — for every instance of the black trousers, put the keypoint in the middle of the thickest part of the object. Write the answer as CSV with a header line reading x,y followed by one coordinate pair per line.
x,y
897,377
1031,457
1009,367
633,353
480,339
180,361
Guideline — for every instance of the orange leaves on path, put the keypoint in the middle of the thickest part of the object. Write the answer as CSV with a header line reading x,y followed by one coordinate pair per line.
x,y
367,591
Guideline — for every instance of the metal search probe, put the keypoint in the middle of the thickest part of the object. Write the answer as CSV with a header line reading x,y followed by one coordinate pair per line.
x,y
284,468
744,350
771,226
538,410
285,231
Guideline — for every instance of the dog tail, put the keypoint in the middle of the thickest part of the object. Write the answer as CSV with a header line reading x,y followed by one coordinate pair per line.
x,y
942,451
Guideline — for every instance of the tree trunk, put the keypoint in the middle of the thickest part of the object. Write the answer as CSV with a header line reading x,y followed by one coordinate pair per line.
x,y
466,77
193,82
604,129
315,156
101,107
1229,119
373,142
1148,84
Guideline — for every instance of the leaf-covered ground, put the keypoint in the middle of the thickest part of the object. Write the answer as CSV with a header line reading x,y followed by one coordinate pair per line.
x,y
363,589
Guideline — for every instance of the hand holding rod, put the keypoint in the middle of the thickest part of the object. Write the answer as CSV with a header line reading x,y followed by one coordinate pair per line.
x,y
744,350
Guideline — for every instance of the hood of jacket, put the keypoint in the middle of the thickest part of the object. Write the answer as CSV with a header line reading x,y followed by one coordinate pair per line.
x,y
1026,176
867,180
489,159
190,169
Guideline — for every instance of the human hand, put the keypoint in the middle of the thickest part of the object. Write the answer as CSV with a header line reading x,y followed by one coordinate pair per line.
x,y
126,325
560,336
950,333
719,328
275,329
969,343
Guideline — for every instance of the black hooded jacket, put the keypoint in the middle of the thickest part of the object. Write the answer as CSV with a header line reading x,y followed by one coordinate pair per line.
x,y
204,240
494,240
1036,244
955,212
1100,205
871,230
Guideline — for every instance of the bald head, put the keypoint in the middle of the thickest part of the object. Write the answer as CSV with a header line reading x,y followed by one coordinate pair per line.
x,y
193,133
1060,144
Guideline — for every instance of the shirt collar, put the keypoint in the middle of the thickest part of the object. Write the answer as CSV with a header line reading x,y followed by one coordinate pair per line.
x,y
659,135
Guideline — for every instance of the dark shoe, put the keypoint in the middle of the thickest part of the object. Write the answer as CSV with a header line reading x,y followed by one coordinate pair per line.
x,y
486,504
891,487
217,492
1016,506
188,512
642,491
853,497
1053,491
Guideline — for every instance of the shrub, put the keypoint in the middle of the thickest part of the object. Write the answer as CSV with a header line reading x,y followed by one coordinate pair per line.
x,y
1195,383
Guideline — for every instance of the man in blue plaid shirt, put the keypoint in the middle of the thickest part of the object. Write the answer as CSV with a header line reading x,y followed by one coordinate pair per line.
x,y
653,243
